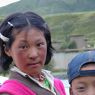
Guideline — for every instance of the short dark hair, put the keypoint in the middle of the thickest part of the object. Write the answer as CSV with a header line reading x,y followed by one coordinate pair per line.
x,y
19,21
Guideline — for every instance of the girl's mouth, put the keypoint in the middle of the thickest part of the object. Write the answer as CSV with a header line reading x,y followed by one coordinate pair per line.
x,y
33,64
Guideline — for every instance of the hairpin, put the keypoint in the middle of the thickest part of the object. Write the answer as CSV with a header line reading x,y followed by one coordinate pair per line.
x,y
45,25
5,39
10,23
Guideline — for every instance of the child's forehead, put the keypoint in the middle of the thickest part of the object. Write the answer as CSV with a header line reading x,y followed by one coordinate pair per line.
x,y
89,66
17,31
83,80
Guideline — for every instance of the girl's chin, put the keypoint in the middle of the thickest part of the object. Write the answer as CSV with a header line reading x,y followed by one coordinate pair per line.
x,y
35,72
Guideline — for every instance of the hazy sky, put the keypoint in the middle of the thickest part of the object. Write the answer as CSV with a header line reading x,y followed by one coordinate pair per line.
x,y
6,2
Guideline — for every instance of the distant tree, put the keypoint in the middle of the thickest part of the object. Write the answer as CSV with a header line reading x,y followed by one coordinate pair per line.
x,y
72,45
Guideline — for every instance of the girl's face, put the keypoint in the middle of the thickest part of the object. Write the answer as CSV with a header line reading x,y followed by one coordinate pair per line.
x,y
29,51
84,85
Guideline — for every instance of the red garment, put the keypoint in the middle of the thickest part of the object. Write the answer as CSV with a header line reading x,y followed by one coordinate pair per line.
x,y
14,87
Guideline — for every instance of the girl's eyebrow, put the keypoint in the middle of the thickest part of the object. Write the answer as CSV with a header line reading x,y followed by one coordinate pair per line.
x,y
38,40
23,41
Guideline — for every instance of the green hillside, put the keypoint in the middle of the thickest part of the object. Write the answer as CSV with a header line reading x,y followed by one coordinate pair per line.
x,y
63,25
45,7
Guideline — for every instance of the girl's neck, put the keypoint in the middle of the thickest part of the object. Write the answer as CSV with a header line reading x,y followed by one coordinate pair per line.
x,y
39,77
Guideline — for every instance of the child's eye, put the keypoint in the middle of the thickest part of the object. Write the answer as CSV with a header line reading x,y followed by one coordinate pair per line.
x,y
81,89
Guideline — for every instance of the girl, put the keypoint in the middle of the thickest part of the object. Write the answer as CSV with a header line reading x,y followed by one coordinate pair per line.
x,y
25,44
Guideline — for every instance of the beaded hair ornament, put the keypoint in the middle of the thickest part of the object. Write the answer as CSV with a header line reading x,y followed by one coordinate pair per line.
x,y
5,39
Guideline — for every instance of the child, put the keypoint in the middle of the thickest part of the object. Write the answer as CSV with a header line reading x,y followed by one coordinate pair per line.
x,y
25,43
81,74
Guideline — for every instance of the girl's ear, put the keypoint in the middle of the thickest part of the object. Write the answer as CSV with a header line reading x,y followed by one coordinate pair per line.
x,y
70,91
7,51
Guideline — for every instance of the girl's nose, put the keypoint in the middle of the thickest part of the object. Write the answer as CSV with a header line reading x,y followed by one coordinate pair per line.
x,y
33,53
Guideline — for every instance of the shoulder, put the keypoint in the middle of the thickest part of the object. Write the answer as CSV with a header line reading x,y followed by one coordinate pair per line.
x,y
14,87
58,81
59,86
10,86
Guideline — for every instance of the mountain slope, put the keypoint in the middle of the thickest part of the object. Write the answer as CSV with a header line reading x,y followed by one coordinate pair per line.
x,y
45,7
67,24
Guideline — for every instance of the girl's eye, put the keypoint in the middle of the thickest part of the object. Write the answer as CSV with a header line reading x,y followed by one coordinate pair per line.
x,y
23,47
40,44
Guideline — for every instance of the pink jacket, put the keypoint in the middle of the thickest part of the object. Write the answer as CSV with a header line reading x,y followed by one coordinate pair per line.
x,y
14,87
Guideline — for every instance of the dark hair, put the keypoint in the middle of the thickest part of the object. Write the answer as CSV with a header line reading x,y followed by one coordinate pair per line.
x,y
20,21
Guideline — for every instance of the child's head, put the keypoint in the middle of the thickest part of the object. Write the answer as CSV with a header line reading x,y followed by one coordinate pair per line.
x,y
81,74
19,25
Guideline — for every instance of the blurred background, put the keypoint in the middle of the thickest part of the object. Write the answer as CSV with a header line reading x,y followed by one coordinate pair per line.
x,y
72,25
